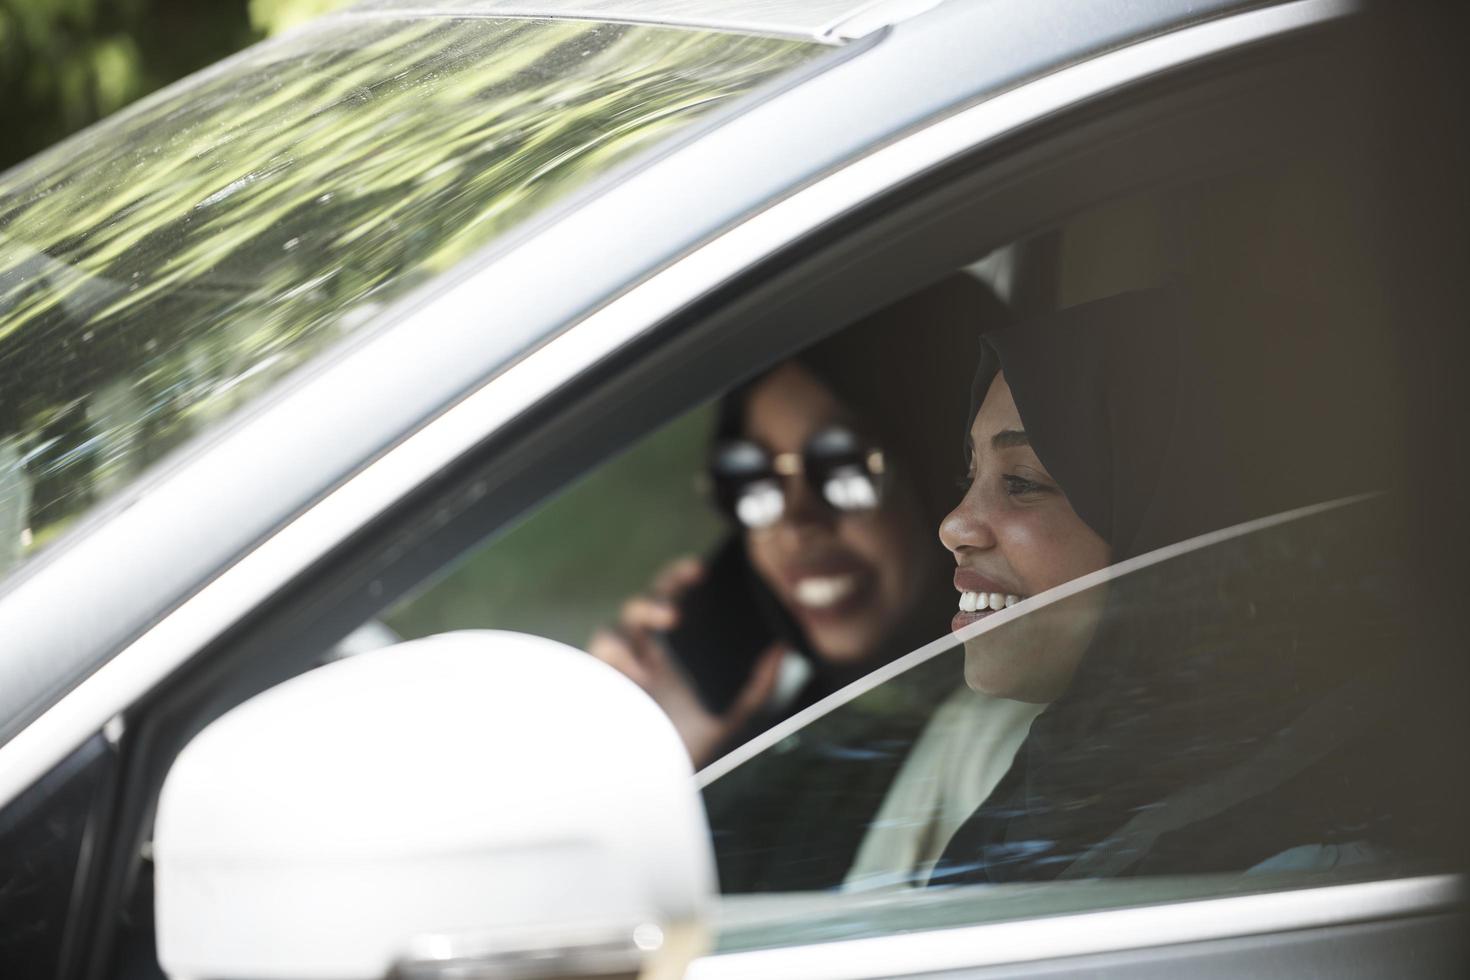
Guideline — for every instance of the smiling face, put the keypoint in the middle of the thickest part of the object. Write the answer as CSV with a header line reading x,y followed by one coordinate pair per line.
x,y
1014,535
849,579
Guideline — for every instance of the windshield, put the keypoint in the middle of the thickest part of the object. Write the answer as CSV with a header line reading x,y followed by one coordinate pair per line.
x,y
165,268
1250,715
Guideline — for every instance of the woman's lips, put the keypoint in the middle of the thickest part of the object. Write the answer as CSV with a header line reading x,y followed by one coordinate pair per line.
x,y
979,597
825,591
969,580
963,619
965,616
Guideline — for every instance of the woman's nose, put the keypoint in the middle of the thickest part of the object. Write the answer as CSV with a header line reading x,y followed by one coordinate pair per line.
x,y
968,526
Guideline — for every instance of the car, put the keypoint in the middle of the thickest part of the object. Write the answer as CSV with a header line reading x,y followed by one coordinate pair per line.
x,y
331,344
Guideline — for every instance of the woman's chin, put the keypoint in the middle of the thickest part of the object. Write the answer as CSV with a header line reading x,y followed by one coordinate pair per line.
x,y
1033,657
841,647
846,639
844,632
1001,670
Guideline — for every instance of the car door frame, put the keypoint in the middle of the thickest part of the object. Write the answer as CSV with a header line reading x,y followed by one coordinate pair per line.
x,y
1357,930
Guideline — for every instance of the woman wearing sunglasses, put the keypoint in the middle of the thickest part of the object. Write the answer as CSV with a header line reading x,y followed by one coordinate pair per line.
x,y
834,467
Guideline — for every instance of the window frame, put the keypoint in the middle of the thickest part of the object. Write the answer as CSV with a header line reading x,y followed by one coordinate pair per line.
x,y
1386,924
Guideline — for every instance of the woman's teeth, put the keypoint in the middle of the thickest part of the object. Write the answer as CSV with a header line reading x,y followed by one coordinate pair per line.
x,y
977,601
820,593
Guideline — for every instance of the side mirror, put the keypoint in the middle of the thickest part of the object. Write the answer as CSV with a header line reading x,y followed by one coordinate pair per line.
x,y
471,804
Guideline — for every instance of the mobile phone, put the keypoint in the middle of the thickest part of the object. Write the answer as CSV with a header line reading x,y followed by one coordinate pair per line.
x,y
726,621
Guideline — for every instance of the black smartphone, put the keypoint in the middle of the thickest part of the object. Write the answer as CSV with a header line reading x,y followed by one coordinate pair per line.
x,y
726,621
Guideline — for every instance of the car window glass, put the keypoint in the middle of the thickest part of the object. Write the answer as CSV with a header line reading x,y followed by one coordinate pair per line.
x,y
1252,706
1311,764
566,568
1248,712
764,549
47,835
171,264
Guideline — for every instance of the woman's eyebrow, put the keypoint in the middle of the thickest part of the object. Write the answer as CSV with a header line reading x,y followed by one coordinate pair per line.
x,y
1009,438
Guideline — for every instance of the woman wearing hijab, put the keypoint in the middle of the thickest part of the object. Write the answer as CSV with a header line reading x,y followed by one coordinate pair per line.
x,y
1240,706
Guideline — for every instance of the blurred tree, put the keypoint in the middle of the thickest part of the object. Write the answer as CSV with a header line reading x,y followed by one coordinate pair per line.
x,y
274,16
64,64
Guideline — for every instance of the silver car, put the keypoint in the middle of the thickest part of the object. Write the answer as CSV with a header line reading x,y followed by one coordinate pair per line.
x,y
410,322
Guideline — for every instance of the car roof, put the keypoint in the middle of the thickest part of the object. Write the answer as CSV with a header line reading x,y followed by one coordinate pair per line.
x,y
808,19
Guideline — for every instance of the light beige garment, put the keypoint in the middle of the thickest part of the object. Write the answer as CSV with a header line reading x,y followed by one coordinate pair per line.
x,y
962,753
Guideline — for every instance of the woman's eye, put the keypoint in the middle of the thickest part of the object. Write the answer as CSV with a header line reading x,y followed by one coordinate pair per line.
x,y
1019,486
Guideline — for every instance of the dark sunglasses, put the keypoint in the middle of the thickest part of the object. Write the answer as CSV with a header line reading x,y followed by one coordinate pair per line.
x,y
841,469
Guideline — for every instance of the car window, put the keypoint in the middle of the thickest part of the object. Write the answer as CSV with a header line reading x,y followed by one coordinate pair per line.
x,y
676,556
1241,696
171,264
1247,707
571,542
46,836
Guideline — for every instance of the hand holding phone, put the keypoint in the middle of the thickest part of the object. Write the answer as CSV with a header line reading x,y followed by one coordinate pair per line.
x,y
640,646
727,620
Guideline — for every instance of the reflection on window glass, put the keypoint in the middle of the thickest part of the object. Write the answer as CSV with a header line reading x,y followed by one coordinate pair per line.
x,y
1257,708
733,620
166,267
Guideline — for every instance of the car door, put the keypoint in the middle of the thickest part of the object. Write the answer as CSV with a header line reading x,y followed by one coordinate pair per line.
x,y
1014,167
787,809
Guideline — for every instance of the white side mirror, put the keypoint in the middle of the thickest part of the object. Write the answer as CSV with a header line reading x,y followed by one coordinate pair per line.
x,y
476,803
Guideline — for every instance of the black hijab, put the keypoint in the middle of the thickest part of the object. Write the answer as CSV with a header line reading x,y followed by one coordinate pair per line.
x,y
1231,705
1158,432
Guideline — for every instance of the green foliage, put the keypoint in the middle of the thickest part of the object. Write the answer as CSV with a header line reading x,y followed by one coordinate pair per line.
x,y
67,63
275,16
